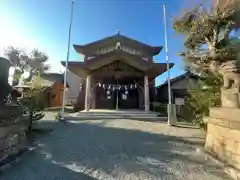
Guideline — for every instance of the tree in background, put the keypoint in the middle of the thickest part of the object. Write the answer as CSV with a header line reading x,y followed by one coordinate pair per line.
x,y
208,38
208,33
18,59
37,63
22,62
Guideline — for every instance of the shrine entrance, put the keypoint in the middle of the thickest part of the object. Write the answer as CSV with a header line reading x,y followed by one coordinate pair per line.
x,y
127,96
128,99
116,86
122,93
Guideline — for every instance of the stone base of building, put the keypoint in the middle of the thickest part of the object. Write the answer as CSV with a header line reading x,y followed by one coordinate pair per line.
x,y
223,138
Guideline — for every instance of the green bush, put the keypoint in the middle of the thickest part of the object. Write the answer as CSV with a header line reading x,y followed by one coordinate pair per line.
x,y
37,116
35,101
159,108
34,104
206,94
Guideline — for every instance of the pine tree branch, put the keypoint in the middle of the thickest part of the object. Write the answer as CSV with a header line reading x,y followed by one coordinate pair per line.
x,y
227,31
207,41
215,37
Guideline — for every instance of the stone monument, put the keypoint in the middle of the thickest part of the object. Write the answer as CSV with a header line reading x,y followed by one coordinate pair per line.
x,y
223,123
12,120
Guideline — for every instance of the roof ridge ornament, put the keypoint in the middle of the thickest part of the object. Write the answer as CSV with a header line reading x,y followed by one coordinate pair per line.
x,y
118,45
118,32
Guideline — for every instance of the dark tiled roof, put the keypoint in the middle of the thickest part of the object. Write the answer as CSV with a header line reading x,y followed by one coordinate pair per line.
x,y
154,49
178,78
49,78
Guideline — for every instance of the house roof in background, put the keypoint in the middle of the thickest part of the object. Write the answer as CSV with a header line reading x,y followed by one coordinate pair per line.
x,y
48,79
178,78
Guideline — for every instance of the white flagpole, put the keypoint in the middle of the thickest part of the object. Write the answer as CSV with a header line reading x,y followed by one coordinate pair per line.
x,y
168,69
66,63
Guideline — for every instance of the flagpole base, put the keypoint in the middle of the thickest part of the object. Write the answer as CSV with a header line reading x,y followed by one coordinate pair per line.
x,y
62,118
172,117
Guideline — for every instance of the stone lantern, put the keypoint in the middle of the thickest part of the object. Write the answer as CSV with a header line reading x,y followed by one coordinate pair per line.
x,y
5,88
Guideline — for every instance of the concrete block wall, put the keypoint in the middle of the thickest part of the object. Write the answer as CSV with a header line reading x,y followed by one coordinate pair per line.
x,y
223,138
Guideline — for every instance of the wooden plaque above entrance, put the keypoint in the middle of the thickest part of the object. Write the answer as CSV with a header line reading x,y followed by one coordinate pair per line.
x,y
117,68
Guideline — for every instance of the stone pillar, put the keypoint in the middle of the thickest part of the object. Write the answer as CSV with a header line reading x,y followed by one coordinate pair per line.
x,y
230,98
87,92
146,93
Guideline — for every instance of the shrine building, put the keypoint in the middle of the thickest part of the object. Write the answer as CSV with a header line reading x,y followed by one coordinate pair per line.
x,y
118,72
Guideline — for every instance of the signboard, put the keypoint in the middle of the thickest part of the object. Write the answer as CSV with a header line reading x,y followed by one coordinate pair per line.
x,y
179,101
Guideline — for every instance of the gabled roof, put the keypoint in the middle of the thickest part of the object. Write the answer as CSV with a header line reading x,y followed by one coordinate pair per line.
x,y
47,80
118,38
179,78
115,55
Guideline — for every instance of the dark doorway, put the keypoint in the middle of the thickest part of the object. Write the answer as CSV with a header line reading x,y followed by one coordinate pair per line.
x,y
128,99
124,95
105,98
127,94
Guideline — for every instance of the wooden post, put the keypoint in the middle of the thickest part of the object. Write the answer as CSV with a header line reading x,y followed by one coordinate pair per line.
x,y
87,92
146,93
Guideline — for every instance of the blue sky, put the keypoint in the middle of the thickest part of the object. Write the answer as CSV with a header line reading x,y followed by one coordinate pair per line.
x,y
43,24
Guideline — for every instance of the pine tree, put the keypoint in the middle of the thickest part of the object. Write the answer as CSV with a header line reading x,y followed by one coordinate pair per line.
x,y
22,62
208,38
208,33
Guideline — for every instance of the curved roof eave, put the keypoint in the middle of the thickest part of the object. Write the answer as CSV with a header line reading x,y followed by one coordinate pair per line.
x,y
82,48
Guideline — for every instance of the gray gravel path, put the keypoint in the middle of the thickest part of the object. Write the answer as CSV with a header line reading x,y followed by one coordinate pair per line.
x,y
116,149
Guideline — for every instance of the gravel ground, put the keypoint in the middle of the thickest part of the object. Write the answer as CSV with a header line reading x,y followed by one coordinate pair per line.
x,y
115,149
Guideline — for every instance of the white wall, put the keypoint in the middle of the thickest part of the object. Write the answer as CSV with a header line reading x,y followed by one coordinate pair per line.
x,y
74,82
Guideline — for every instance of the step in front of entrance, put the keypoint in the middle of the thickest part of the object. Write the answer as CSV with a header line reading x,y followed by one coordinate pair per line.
x,y
100,117
141,115
95,114
116,112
